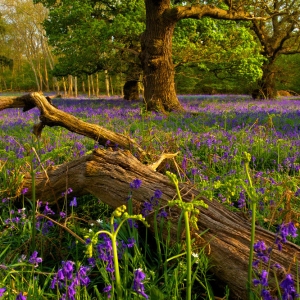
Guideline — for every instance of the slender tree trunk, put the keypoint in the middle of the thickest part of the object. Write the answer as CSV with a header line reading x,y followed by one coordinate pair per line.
x,y
97,85
156,59
83,86
89,86
75,87
65,87
70,80
107,83
46,77
111,85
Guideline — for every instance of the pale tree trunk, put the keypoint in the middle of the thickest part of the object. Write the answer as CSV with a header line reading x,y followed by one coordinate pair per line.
x,y
111,86
70,82
46,77
97,85
156,59
92,84
75,87
65,87
35,74
83,86
107,83
89,86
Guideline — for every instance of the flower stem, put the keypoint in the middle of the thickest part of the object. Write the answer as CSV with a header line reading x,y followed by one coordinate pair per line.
x,y
188,256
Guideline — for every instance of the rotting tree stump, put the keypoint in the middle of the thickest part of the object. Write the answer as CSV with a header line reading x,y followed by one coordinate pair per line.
x,y
107,175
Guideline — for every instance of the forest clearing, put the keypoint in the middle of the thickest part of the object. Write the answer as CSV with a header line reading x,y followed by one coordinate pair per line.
x,y
79,182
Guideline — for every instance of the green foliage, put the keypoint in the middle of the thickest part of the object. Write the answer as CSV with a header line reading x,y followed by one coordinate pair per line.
x,y
218,54
288,77
88,37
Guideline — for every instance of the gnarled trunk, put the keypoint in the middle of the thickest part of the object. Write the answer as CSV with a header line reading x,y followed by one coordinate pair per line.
x,y
267,89
156,59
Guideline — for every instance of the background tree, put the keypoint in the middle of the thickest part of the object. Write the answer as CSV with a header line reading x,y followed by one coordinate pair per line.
x,y
156,40
26,43
279,35
88,37
215,56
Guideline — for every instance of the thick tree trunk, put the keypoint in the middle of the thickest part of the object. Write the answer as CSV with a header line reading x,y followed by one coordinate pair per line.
x,y
267,88
107,175
156,59
131,90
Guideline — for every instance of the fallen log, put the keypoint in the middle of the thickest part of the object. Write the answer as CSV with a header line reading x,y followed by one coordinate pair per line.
x,y
51,116
107,175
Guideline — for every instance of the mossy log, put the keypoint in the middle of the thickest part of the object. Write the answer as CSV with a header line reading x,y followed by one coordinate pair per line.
x,y
107,175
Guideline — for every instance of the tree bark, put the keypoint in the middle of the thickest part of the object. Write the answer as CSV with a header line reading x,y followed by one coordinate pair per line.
x,y
107,175
156,59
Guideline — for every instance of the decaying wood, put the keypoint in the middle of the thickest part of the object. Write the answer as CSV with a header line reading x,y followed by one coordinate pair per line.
x,y
51,116
107,175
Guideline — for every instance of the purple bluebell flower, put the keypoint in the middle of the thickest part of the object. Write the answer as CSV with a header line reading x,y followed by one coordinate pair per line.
x,y
68,191
82,276
46,227
73,202
34,259
288,286
91,261
67,278
24,191
48,210
136,183
285,230
107,290
132,223
242,200
130,242
105,253
162,214
265,294
2,291
62,214
157,194
20,296
184,163
138,285
262,253
263,279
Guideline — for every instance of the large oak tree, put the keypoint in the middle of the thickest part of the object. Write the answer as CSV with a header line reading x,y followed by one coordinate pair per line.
x,y
156,40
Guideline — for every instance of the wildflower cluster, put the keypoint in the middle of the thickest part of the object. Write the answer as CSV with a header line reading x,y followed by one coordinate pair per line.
x,y
138,285
263,254
152,204
16,218
34,259
68,279
285,230
42,225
